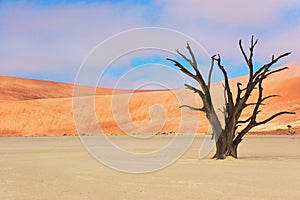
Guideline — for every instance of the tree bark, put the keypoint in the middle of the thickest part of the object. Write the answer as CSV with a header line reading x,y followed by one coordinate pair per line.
x,y
225,148
232,150
221,146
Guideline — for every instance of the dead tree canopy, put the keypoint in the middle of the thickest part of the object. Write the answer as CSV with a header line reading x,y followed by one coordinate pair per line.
x,y
227,138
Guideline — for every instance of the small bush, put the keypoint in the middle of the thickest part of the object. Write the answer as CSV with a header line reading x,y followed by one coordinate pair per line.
x,y
279,129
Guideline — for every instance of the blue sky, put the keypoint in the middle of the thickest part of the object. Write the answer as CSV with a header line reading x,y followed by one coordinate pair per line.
x,y
50,39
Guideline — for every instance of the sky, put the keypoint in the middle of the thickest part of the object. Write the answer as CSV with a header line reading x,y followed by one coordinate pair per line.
x,y
50,40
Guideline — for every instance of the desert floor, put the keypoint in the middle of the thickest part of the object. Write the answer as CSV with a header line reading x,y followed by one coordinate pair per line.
x,y
61,168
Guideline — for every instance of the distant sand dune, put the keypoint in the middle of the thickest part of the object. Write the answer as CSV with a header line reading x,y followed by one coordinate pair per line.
x,y
34,107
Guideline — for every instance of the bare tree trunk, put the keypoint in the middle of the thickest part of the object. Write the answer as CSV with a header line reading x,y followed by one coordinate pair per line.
x,y
232,150
221,146
225,148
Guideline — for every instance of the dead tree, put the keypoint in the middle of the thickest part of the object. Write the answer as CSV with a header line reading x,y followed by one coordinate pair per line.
x,y
227,137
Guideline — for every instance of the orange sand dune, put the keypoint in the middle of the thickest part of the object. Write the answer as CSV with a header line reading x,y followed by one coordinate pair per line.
x,y
32,107
12,88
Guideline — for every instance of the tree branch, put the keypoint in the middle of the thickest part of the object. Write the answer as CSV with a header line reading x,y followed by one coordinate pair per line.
x,y
193,108
249,60
182,68
275,71
193,58
210,71
250,63
250,104
244,121
198,77
273,117
202,95
185,58
227,86
270,96
239,92
243,51
192,62
272,62
258,77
